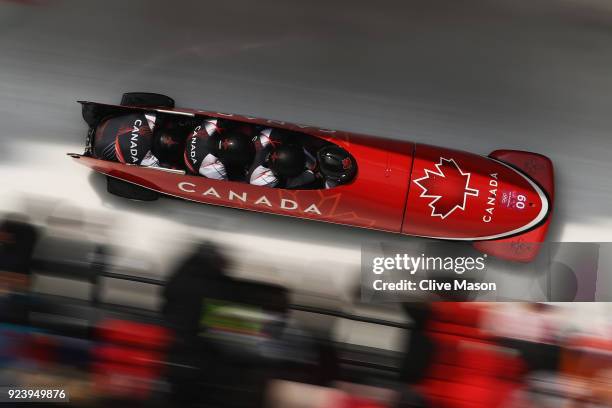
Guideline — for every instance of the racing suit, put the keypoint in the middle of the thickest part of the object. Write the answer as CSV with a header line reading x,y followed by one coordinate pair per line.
x,y
201,155
127,139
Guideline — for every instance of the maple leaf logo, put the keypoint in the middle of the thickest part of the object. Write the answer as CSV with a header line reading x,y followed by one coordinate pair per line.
x,y
448,186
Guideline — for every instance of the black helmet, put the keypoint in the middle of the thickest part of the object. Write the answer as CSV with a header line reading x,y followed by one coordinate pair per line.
x,y
169,144
287,160
213,144
236,149
337,164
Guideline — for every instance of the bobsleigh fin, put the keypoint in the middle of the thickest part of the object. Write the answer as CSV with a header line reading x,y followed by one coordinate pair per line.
x,y
523,247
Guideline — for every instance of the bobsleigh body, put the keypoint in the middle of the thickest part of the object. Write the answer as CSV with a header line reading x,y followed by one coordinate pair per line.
x,y
502,201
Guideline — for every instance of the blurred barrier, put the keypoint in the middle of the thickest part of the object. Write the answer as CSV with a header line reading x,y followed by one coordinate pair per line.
x,y
456,355
297,307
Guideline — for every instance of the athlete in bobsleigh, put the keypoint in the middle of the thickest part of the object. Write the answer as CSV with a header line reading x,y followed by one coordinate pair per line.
x,y
219,150
281,162
335,165
202,151
127,139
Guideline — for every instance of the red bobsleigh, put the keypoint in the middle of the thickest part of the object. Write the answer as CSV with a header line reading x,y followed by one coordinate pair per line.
x,y
503,201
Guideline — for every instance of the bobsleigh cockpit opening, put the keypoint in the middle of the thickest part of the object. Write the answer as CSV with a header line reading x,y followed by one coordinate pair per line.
x,y
222,149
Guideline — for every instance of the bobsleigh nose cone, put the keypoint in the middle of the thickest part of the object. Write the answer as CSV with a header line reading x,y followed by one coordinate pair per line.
x,y
459,195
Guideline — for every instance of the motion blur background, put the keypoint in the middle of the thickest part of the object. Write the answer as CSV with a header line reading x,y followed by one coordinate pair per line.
x,y
474,75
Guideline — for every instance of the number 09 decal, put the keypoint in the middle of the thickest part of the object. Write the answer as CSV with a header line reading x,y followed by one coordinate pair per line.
x,y
520,201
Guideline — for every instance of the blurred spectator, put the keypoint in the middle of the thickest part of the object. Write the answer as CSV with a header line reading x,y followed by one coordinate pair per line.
x,y
201,273
221,326
419,347
533,331
17,240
